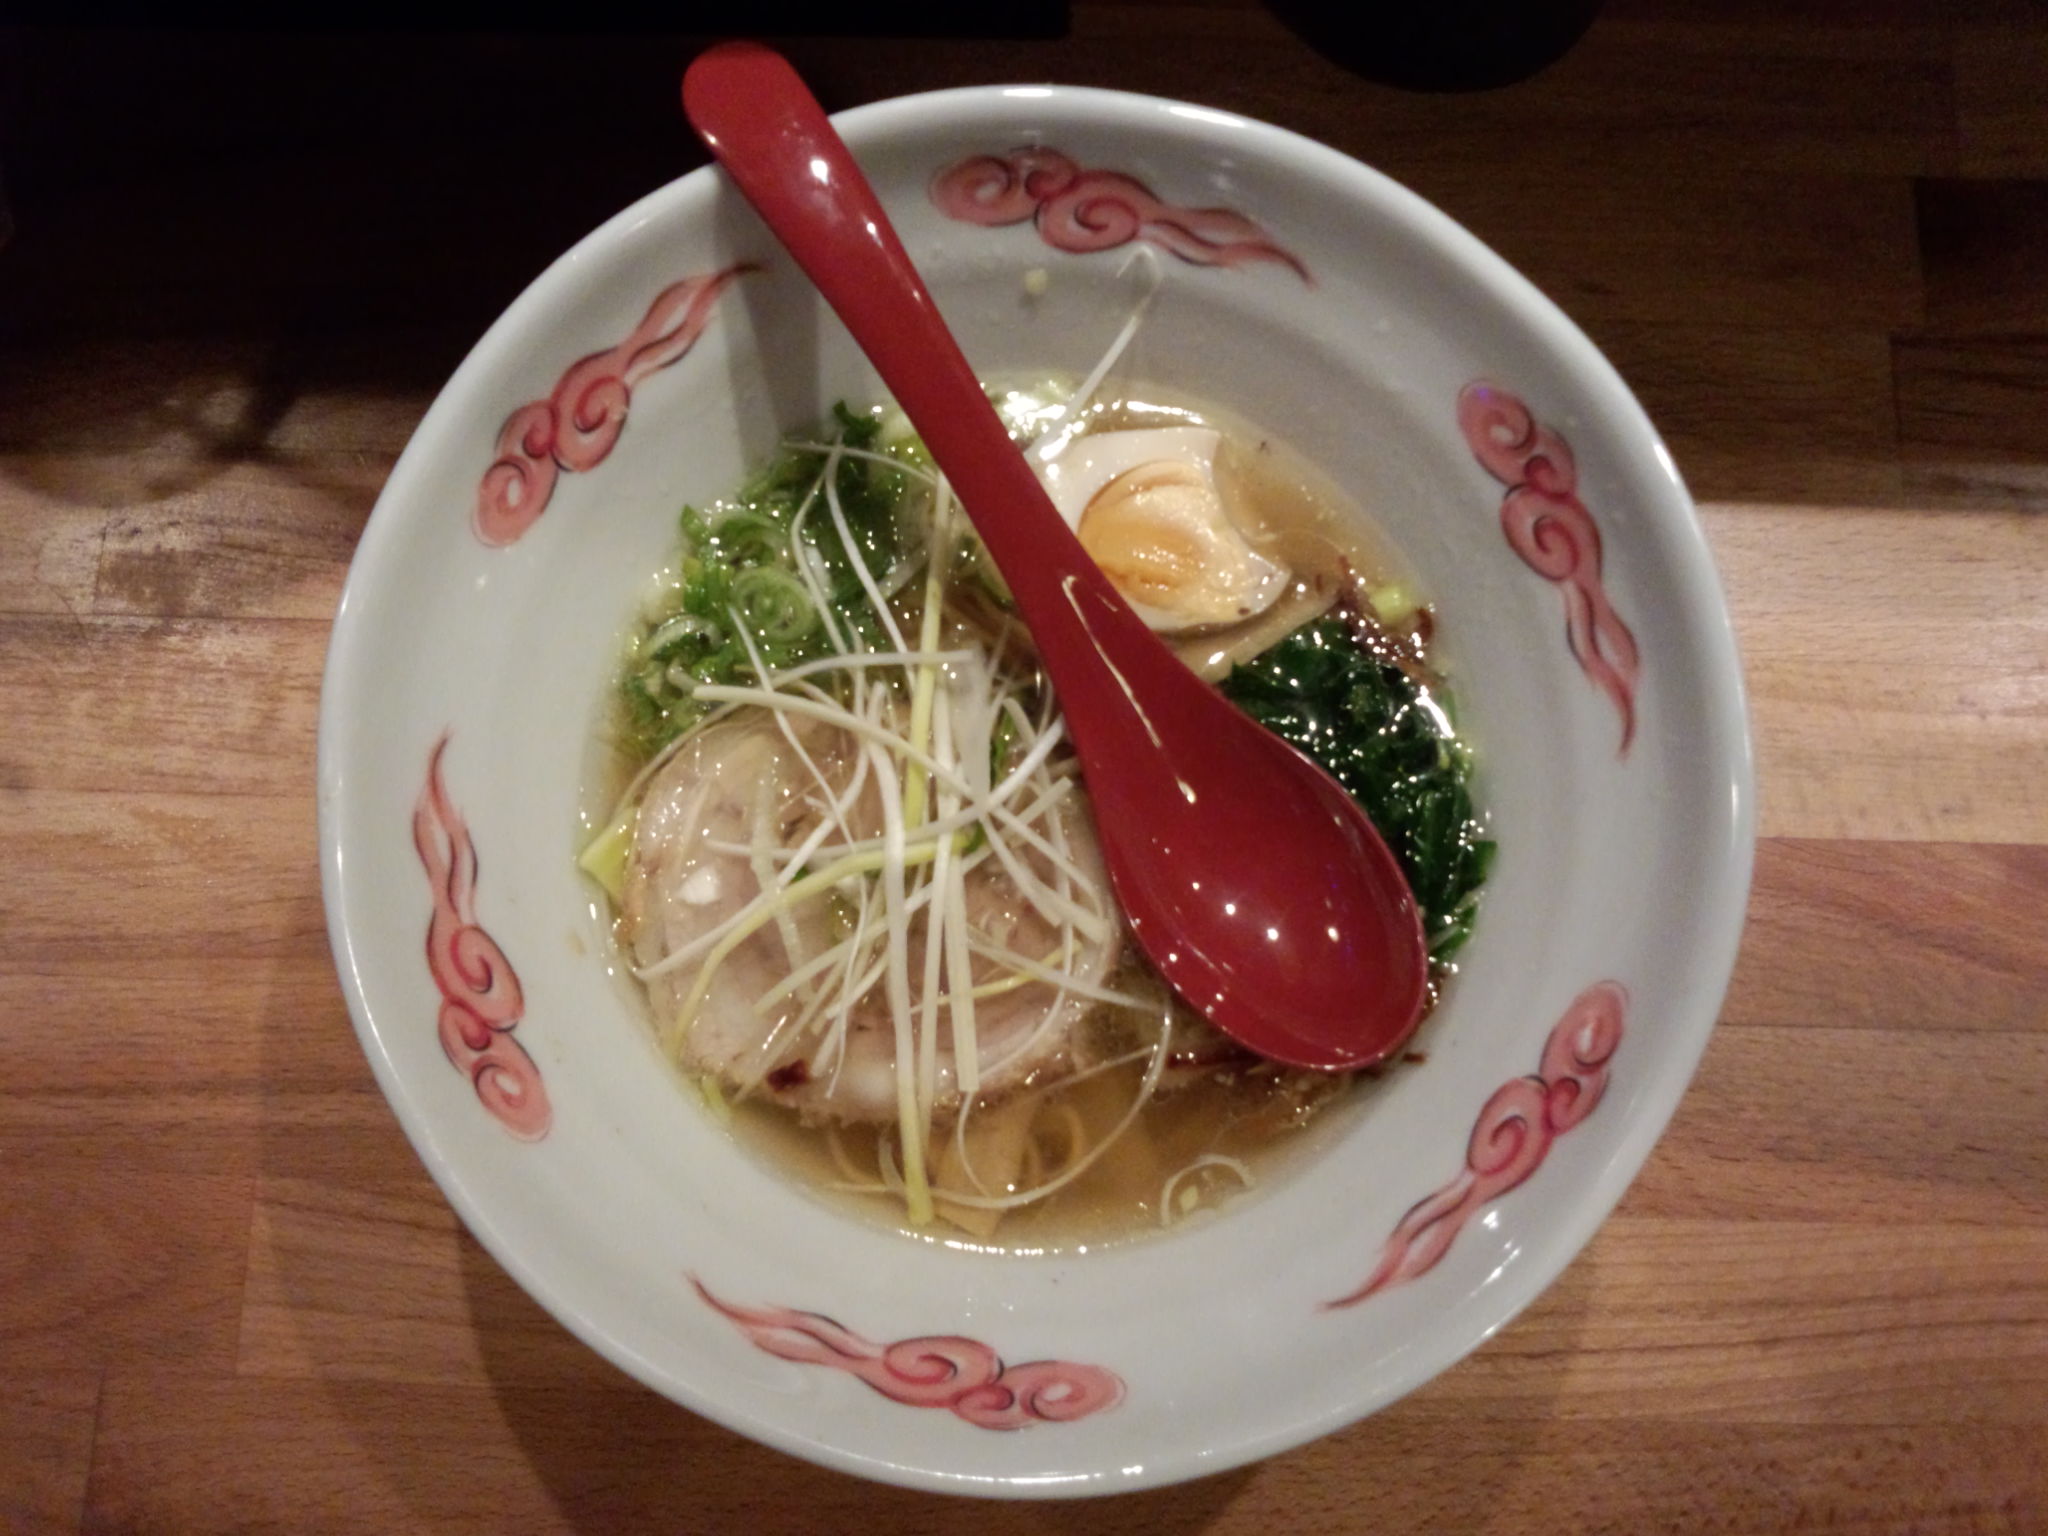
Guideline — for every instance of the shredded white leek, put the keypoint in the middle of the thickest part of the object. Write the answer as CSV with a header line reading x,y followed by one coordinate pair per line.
x,y
947,738
1068,423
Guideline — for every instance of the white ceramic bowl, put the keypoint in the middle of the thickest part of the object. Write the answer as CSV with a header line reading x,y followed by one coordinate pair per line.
x,y
1577,607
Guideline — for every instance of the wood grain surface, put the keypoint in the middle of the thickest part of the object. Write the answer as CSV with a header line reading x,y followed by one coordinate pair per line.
x,y
1815,238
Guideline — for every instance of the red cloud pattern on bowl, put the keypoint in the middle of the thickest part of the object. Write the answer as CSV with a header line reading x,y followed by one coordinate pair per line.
x,y
1078,210
481,1001
961,1375
1549,527
577,424
1514,1134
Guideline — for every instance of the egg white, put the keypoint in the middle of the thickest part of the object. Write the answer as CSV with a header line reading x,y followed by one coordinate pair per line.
x,y
1234,582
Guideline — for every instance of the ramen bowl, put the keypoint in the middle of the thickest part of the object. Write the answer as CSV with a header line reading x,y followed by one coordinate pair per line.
x,y
1576,611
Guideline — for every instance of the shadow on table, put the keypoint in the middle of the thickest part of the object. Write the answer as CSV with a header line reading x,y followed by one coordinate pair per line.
x,y
451,1392
616,1458
270,248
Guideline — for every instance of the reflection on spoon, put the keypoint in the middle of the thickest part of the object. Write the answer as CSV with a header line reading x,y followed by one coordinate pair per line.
x,y
1259,889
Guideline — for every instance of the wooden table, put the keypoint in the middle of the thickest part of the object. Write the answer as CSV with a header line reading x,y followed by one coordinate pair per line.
x,y
230,1298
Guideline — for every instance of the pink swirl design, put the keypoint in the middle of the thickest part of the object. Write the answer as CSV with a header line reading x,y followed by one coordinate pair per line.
x,y
1080,211
964,1376
481,1001
1513,1135
579,423
1550,528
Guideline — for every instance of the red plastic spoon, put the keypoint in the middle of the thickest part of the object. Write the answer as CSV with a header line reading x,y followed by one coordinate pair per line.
x,y
1252,881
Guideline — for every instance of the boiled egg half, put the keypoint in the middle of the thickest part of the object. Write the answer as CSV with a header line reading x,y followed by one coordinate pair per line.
x,y
1145,506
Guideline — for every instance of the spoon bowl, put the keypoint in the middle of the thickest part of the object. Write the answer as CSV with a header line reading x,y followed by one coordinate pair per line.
x,y
1252,881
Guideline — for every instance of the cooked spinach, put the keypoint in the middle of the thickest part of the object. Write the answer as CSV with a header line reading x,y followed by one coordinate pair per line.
x,y
1371,727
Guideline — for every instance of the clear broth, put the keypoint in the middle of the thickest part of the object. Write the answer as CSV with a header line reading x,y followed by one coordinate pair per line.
x,y
1205,1143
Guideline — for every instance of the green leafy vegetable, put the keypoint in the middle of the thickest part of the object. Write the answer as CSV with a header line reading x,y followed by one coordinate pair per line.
x,y
1375,730
741,558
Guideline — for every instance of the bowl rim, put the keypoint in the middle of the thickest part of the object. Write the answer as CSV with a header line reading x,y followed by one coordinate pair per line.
x,y
1716,940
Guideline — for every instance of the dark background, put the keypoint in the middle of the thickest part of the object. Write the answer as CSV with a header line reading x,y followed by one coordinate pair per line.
x,y
1810,234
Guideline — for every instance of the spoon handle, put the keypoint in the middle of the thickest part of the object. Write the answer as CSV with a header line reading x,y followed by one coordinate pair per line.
x,y
1248,876
774,140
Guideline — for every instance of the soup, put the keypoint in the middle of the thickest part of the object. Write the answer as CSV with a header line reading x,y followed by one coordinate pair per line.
x,y
855,867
